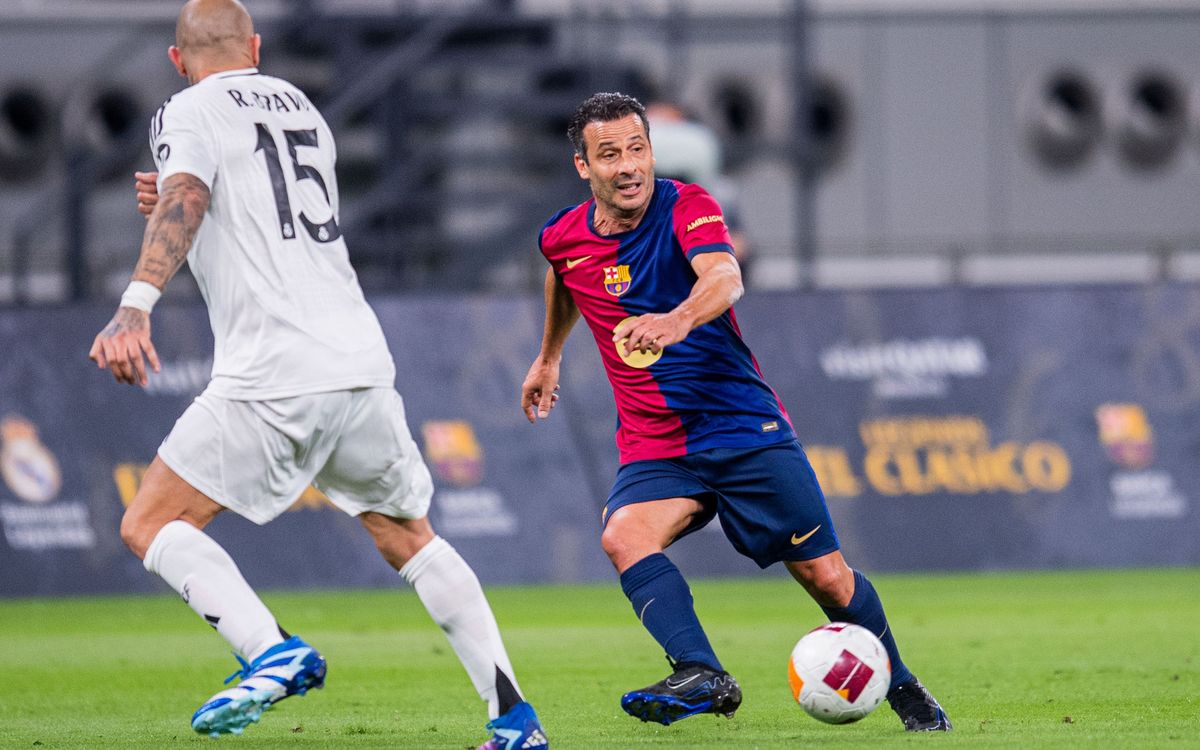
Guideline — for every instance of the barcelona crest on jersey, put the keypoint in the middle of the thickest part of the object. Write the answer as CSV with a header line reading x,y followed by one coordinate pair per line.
x,y
616,280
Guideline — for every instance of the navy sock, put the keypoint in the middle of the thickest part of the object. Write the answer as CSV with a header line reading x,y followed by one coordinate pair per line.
x,y
866,609
663,602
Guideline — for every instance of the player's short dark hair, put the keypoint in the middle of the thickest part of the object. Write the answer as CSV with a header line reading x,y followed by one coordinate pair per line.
x,y
605,106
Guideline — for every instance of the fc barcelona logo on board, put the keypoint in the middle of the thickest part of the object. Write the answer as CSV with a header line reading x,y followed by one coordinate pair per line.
x,y
1126,434
454,451
616,280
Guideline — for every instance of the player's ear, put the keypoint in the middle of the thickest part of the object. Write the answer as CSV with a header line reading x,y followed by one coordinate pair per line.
x,y
176,56
255,48
581,166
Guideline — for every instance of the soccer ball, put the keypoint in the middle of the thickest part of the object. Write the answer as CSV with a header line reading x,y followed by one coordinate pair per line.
x,y
839,673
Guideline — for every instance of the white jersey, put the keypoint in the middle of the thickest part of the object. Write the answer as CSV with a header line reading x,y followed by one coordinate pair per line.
x,y
287,313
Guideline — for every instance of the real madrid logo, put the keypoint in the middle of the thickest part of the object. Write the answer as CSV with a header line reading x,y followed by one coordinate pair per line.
x,y
28,467
616,280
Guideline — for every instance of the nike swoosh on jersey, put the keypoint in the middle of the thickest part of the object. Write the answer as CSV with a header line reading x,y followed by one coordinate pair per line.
x,y
802,539
572,262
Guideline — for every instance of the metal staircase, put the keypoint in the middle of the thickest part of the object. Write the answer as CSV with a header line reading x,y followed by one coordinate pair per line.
x,y
451,133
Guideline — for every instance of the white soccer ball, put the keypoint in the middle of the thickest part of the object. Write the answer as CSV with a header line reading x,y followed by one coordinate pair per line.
x,y
839,673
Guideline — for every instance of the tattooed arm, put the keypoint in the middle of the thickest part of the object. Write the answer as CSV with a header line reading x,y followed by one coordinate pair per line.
x,y
171,228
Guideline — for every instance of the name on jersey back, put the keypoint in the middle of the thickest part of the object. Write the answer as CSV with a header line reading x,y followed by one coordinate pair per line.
x,y
270,102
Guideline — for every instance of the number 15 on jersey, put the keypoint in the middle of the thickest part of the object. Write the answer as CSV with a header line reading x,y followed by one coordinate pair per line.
x,y
324,232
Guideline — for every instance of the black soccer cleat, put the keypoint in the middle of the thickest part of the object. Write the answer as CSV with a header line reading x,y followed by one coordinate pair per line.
x,y
693,688
918,709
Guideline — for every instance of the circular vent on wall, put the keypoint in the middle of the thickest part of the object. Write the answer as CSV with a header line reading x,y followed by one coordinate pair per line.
x,y
26,132
1150,120
1063,120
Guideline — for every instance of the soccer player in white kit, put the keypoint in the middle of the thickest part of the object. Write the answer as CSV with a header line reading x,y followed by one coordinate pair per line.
x,y
302,387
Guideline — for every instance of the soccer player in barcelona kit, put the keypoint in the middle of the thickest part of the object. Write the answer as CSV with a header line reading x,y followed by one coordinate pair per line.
x,y
649,265
302,387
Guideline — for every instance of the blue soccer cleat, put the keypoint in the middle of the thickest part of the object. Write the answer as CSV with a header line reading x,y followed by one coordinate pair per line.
x,y
288,668
693,688
518,729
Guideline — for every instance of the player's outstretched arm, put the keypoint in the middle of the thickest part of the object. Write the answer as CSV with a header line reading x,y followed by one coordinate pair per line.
x,y
541,383
718,285
124,344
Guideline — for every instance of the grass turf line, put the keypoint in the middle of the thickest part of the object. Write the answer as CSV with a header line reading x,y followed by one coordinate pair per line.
x,y
1031,660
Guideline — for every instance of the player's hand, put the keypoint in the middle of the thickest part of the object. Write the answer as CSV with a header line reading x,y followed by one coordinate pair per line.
x,y
539,391
121,345
146,186
652,332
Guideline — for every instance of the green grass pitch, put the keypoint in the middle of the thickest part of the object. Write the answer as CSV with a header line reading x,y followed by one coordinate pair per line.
x,y
1103,659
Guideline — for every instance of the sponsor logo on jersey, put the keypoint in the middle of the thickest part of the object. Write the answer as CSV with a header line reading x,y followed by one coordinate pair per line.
x,y
704,220
454,451
617,280
638,360
29,468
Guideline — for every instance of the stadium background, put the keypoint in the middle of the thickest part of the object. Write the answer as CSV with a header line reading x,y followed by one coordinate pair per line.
x,y
973,262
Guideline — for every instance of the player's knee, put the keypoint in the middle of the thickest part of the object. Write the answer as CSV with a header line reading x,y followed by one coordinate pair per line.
x,y
833,590
622,544
634,532
612,542
136,532
142,521
828,584
397,539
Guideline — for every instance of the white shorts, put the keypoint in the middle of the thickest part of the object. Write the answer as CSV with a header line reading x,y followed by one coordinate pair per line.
x,y
256,457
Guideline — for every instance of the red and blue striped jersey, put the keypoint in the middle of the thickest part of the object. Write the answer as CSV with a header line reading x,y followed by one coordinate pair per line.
x,y
703,392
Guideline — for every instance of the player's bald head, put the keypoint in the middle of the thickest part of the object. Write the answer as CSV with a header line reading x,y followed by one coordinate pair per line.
x,y
213,28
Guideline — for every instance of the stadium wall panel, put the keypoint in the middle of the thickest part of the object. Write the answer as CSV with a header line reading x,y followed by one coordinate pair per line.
x,y
952,429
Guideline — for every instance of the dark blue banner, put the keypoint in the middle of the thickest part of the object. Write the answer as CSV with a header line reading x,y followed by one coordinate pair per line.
x,y
952,429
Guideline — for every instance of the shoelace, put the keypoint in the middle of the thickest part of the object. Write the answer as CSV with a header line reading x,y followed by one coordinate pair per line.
x,y
244,672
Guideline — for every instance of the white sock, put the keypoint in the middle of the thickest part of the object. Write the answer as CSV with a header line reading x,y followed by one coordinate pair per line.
x,y
209,581
451,593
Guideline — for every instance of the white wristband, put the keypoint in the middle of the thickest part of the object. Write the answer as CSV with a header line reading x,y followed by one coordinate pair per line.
x,y
140,295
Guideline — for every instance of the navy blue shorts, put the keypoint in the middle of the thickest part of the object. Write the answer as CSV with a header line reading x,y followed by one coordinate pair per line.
x,y
770,505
